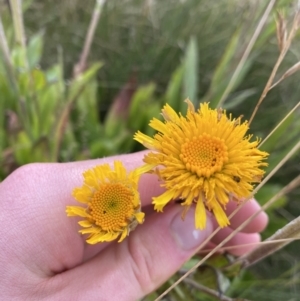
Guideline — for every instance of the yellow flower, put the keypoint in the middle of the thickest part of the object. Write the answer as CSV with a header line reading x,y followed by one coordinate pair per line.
x,y
203,158
112,202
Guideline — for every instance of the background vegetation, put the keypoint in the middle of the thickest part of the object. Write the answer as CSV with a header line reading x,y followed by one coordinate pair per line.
x,y
144,54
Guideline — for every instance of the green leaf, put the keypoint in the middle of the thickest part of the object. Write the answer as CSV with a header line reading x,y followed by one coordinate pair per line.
x,y
173,94
238,98
113,126
142,100
26,152
224,71
82,79
272,142
266,192
34,50
152,111
26,4
190,78
19,59
224,65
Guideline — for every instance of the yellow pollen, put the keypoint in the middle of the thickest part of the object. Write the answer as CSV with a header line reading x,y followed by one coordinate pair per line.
x,y
111,206
204,155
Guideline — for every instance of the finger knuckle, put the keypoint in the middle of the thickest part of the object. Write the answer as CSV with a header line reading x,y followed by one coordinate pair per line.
x,y
143,266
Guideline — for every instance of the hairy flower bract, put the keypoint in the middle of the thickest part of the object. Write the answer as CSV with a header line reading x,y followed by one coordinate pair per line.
x,y
204,158
112,203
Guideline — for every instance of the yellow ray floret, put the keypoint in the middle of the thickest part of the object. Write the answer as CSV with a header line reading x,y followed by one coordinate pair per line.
x,y
202,158
112,203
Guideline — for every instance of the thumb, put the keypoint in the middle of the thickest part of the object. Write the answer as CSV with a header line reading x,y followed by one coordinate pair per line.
x,y
145,260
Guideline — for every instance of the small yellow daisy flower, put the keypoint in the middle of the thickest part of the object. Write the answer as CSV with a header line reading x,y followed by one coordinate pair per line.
x,y
112,202
203,158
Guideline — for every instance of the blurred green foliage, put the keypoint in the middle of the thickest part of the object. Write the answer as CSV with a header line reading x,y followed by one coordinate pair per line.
x,y
145,54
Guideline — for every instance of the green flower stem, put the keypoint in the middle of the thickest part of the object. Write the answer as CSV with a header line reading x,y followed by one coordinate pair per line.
x,y
16,7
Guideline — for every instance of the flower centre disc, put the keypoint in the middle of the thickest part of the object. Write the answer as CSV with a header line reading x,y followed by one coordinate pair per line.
x,y
111,206
204,155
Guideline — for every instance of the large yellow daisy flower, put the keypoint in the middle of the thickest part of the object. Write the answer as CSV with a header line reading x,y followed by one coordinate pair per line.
x,y
203,158
112,203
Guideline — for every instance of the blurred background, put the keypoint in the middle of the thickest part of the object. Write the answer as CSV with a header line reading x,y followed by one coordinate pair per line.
x,y
55,107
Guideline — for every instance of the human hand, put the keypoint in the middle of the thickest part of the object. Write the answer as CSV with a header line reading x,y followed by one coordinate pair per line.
x,y
43,257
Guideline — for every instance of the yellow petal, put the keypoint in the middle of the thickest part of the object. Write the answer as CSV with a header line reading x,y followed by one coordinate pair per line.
x,y
144,139
162,200
101,172
145,168
85,224
90,178
190,105
82,194
124,234
220,215
140,217
89,231
76,211
169,114
120,169
110,236
200,214
94,239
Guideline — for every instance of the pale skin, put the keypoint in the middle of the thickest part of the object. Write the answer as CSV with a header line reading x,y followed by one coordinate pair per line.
x,y
43,257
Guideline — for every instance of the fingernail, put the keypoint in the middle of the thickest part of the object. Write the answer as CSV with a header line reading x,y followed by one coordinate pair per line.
x,y
184,232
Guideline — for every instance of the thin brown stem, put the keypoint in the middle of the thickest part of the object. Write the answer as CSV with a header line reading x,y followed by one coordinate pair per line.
x,y
266,242
62,123
289,231
208,291
81,65
286,74
280,123
282,54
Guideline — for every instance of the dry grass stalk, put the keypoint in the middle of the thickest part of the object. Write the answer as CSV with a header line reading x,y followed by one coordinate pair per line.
x,y
280,123
285,48
81,65
287,73
219,296
79,68
266,242
291,232
281,30
292,152
62,124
